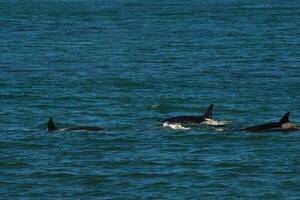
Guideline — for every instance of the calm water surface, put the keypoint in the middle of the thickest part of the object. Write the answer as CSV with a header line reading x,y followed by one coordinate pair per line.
x,y
124,66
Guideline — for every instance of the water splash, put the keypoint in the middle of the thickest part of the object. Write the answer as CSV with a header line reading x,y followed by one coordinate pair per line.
x,y
215,123
175,126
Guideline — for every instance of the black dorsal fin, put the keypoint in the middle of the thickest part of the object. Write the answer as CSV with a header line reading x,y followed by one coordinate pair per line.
x,y
208,113
51,125
285,118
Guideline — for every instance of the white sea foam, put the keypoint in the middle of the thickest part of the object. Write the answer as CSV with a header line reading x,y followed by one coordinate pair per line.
x,y
219,129
175,126
215,123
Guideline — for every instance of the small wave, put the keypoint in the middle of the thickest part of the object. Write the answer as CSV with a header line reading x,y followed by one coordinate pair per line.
x,y
215,123
219,129
175,126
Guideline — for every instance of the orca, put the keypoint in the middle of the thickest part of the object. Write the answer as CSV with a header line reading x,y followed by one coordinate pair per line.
x,y
52,127
206,117
283,125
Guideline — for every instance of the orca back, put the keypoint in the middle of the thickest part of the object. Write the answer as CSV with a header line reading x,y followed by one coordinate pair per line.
x,y
82,128
270,126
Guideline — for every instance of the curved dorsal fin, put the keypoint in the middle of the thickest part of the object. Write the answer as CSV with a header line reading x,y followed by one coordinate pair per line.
x,y
51,125
285,118
208,113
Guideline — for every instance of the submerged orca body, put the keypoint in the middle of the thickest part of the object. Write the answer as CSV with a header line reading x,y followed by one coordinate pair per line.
x,y
191,119
52,127
283,125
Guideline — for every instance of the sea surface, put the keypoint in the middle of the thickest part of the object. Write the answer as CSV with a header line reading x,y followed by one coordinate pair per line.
x,y
124,65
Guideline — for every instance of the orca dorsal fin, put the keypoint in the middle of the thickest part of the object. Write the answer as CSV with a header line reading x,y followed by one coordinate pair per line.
x,y
51,125
285,118
208,112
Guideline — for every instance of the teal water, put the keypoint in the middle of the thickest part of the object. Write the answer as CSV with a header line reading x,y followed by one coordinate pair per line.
x,y
124,66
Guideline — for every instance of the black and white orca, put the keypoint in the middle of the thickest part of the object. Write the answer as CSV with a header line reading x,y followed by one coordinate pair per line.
x,y
283,125
206,117
52,127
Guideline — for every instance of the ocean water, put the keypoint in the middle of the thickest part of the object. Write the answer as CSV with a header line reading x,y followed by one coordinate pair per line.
x,y
126,64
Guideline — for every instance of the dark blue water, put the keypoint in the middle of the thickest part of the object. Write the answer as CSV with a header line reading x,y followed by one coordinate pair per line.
x,y
124,66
